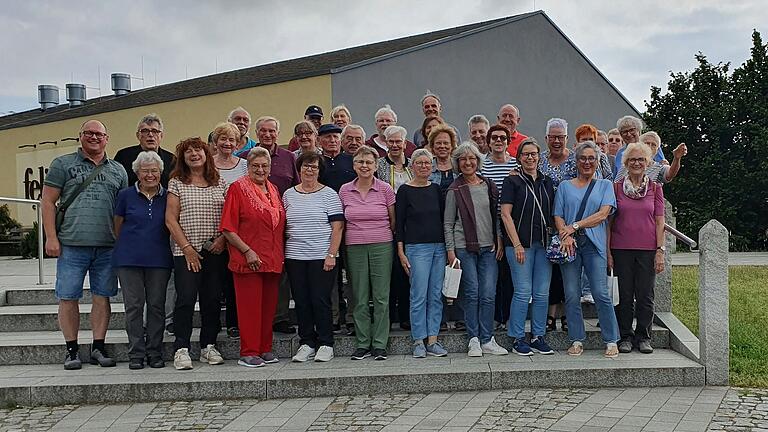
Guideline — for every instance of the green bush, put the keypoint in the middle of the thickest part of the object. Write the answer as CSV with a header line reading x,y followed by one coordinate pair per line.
x,y
29,243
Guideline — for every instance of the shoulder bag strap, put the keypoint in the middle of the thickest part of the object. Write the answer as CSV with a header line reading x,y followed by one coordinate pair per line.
x,y
80,188
584,200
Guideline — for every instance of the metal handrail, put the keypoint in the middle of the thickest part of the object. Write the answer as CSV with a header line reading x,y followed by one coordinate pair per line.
x,y
40,251
680,236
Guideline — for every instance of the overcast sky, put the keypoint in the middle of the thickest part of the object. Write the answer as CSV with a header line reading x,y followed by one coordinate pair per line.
x,y
634,43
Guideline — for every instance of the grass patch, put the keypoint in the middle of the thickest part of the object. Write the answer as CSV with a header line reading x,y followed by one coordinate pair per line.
x,y
748,288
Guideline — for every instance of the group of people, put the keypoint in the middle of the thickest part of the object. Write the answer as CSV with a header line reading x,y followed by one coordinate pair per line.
x,y
252,224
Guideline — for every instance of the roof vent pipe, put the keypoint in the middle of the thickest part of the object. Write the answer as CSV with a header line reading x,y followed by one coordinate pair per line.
x,y
48,96
121,83
75,94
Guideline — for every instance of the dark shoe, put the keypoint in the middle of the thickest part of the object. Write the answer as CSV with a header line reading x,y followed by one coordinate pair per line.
x,y
169,329
405,325
564,324
539,345
101,359
136,364
269,358
337,329
361,353
625,346
156,362
350,330
379,354
443,326
72,361
284,327
233,333
460,326
644,346
551,326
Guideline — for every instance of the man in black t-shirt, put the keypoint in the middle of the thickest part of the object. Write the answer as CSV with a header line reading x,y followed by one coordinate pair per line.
x,y
150,135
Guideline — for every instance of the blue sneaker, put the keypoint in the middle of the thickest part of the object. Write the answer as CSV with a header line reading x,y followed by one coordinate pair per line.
x,y
539,345
436,350
521,347
418,350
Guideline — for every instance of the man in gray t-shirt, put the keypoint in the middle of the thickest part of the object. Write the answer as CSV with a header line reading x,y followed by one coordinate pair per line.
x,y
83,242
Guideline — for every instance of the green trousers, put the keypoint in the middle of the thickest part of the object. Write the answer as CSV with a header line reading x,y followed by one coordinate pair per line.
x,y
370,268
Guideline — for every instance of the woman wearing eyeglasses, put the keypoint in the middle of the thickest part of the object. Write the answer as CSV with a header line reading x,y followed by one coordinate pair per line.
x,y
582,206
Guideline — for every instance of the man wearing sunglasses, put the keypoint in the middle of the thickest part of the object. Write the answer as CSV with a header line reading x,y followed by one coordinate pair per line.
x,y
149,132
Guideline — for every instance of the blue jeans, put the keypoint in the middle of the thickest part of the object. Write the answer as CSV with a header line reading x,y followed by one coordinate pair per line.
x,y
585,288
427,274
72,265
478,291
531,280
595,267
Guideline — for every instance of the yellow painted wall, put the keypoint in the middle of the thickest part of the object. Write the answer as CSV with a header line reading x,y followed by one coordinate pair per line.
x,y
195,116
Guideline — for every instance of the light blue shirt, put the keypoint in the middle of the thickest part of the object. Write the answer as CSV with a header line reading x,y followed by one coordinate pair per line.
x,y
568,200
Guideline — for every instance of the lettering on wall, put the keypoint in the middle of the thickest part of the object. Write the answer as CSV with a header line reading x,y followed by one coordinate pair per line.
x,y
33,182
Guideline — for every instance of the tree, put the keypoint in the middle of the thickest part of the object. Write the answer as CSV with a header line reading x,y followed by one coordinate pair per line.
x,y
722,118
7,223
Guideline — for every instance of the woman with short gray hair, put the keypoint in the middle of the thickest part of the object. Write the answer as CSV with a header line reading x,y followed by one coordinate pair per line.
x,y
472,235
143,274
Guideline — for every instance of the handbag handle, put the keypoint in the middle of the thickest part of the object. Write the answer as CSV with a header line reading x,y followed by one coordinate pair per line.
x,y
455,261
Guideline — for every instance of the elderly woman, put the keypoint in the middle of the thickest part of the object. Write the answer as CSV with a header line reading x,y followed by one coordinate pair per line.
x,y
629,128
230,167
471,235
421,250
195,200
314,223
526,211
587,132
659,172
369,211
305,133
140,220
614,142
442,142
429,123
394,169
582,206
636,241
341,116
253,221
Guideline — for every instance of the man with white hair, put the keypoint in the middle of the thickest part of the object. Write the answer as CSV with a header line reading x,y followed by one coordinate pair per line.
x,y
242,119
478,126
352,137
384,118
509,116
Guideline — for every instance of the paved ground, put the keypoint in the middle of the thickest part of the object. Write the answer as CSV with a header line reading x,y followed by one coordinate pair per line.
x,y
638,409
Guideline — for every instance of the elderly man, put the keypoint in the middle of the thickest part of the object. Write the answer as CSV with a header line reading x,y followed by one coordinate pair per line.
x,y
509,116
384,118
313,114
630,129
149,132
430,106
352,138
81,233
478,126
602,142
242,119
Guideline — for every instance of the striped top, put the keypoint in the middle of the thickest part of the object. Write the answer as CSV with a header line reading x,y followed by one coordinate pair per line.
x,y
231,174
308,222
497,171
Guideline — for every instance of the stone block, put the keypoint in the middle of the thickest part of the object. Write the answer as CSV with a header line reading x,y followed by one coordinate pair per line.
x,y
713,302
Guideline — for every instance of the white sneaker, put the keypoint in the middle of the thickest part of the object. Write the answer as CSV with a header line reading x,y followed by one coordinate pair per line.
x,y
304,353
588,299
474,348
211,355
491,347
181,360
324,354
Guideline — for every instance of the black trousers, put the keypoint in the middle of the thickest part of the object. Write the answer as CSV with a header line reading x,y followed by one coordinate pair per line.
x,y
229,295
205,284
311,287
637,278
556,290
504,292
399,292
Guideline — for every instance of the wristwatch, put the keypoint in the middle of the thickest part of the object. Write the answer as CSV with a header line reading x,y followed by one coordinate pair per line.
x,y
661,248
330,255
576,226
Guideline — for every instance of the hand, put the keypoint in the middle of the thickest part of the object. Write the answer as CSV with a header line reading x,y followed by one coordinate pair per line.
x,y
610,261
659,261
52,246
520,254
499,249
405,263
329,263
193,259
218,245
514,172
253,260
680,151
452,257
568,245
664,162
566,232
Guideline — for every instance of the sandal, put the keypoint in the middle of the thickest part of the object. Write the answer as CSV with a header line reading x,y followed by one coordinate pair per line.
x,y
551,326
611,350
576,349
564,323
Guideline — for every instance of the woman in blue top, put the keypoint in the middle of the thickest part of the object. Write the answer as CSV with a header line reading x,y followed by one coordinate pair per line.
x,y
583,226
143,271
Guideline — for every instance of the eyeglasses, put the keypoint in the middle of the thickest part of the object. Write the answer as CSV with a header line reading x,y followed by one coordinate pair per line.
x,y
146,131
587,159
310,167
153,171
557,137
498,138
364,162
529,155
260,166
626,131
92,134
305,133
636,161
423,163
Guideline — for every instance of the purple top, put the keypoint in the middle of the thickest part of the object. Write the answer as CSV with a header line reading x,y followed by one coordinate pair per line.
x,y
634,224
283,173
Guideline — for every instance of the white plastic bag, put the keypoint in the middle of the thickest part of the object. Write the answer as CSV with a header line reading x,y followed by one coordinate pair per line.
x,y
613,288
452,280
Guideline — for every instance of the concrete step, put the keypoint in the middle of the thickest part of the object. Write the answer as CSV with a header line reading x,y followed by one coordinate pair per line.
x,y
51,385
47,347
44,295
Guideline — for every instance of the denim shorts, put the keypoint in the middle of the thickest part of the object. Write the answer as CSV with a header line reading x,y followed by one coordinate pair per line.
x,y
72,265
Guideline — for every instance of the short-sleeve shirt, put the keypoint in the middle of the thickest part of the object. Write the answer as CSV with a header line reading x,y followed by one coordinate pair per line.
x,y
558,173
243,152
199,211
337,170
89,219
367,218
308,222
515,139
498,171
634,224
143,224
231,174
568,200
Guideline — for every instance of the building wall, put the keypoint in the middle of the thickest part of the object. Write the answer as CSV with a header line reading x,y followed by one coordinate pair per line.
x,y
20,169
527,63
